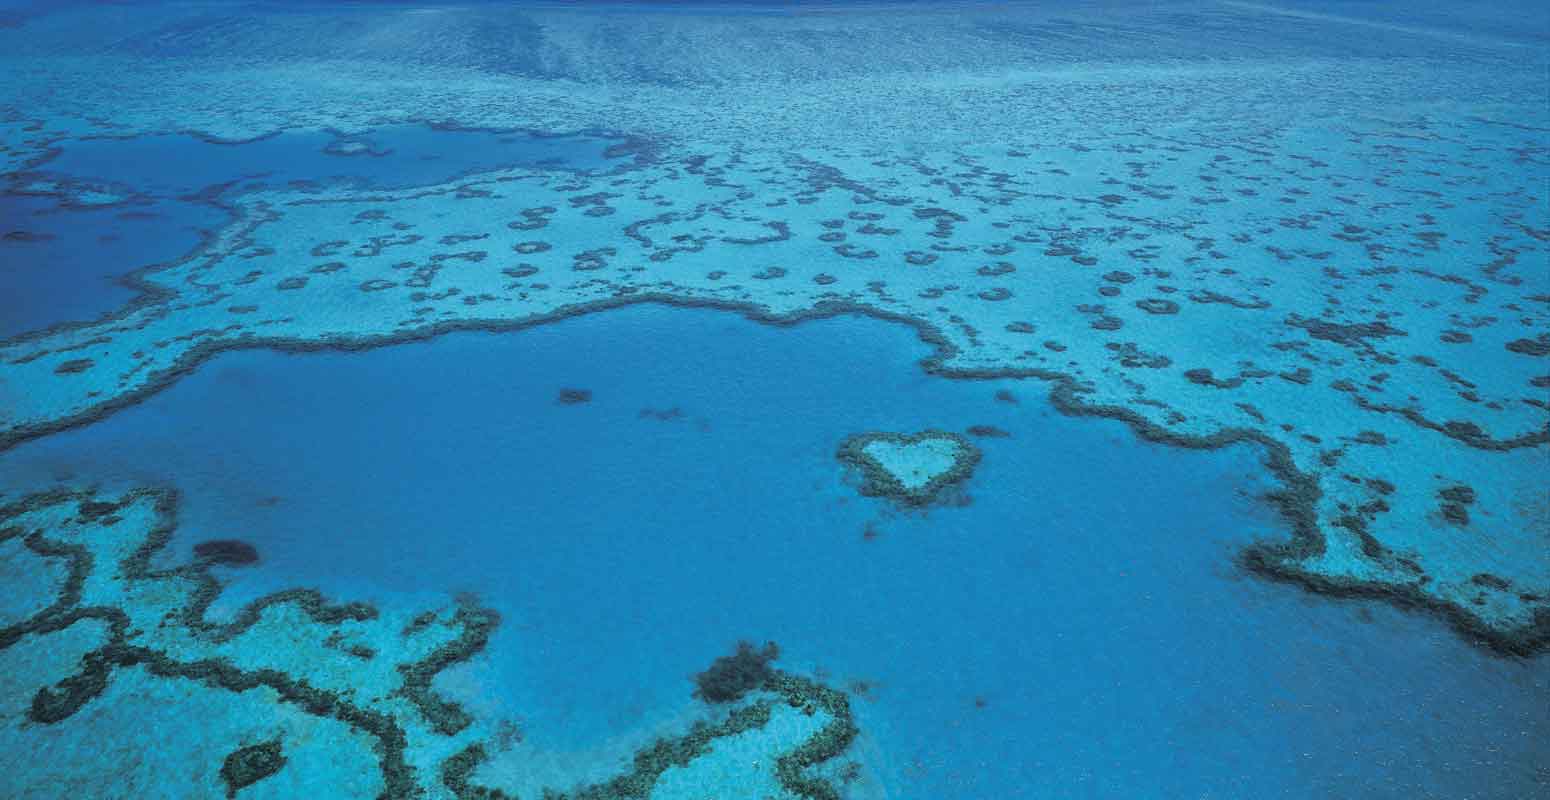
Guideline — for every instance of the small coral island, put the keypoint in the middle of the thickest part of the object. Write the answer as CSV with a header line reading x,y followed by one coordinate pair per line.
x,y
910,469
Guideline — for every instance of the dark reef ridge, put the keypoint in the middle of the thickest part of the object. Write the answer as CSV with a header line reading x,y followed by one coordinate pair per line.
x,y
743,673
54,704
1275,560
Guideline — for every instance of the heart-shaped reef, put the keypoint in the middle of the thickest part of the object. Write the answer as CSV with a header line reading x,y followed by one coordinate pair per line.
x,y
911,469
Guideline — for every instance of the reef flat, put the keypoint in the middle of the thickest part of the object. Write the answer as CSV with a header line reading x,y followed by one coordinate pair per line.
x,y
294,692
910,469
1376,437
1351,275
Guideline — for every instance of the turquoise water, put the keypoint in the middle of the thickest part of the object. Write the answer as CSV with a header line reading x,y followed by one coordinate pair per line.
x,y
538,332
63,262
1087,596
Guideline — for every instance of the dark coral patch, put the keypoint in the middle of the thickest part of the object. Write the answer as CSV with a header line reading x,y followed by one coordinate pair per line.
x,y
1490,581
1204,377
1539,346
1157,305
730,677
249,765
995,295
25,236
1455,504
232,552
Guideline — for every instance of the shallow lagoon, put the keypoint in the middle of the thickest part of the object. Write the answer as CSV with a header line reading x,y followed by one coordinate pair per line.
x,y
1078,629
62,261
68,264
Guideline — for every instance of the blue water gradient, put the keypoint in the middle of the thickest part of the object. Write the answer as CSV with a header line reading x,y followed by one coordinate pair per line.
x,y
64,262
1078,630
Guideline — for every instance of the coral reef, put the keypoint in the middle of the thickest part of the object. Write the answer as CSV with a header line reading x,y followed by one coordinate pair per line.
x,y
366,669
730,677
1331,264
249,765
910,469
231,552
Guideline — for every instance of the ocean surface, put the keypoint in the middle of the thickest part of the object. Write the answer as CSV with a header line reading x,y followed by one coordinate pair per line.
x,y
163,200
633,472
1080,624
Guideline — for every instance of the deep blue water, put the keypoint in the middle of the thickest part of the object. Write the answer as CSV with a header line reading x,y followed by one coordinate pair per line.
x,y
1078,630
61,262
67,269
